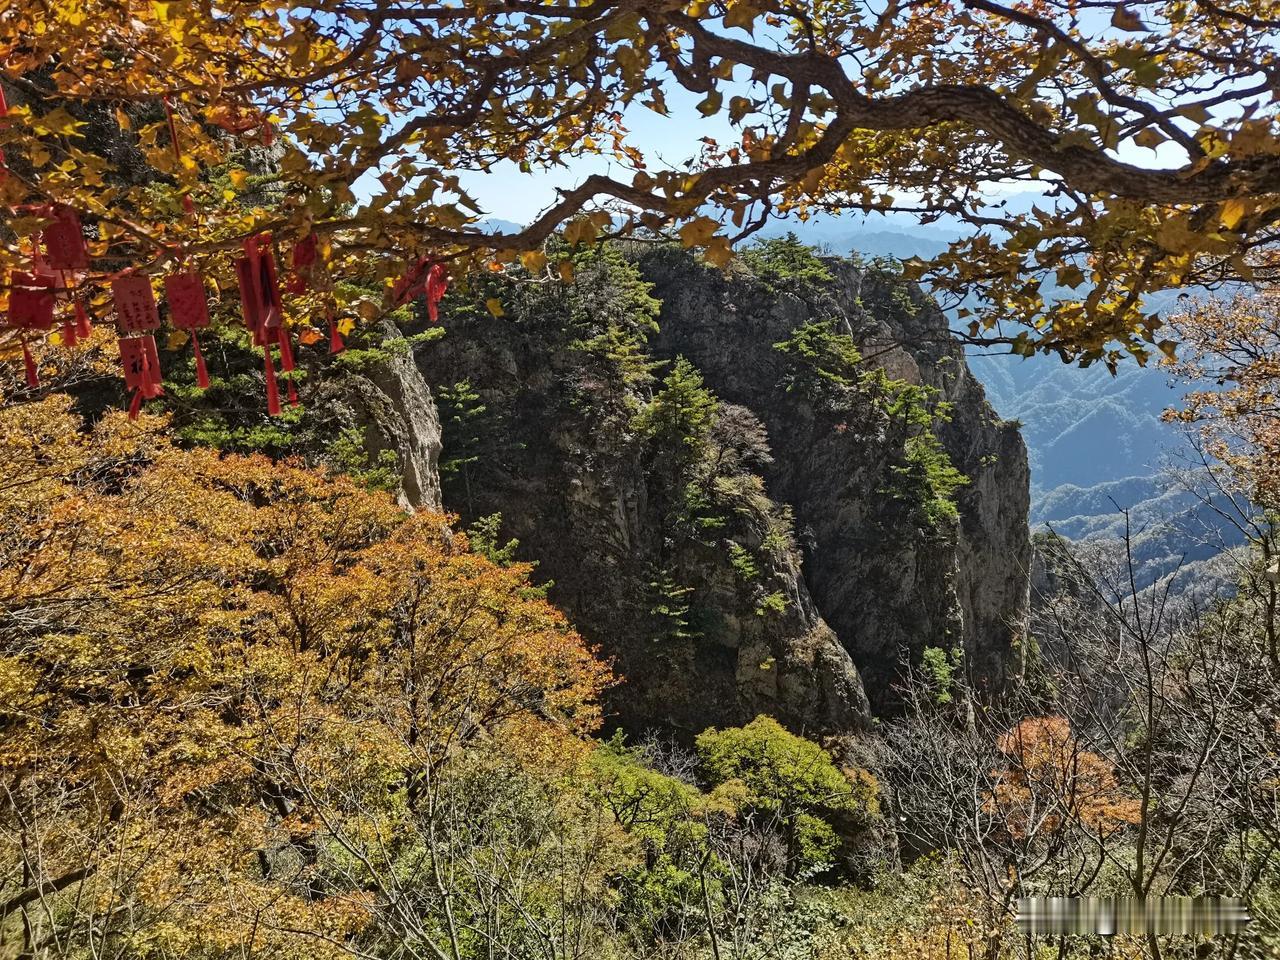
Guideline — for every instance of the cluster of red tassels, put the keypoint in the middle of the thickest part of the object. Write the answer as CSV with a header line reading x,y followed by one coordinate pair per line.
x,y
60,258
264,314
427,278
306,255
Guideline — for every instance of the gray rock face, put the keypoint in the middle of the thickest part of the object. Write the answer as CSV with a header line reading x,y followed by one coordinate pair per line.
x,y
391,407
412,430
816,580
581,491
886,586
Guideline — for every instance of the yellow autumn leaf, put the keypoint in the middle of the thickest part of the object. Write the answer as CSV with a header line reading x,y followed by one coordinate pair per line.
x,y
535,261
1149,138
175,340
582,230
1176,235
56,122
494,306
739,107
718,252
698,232
1194,112
565,269
1070,276
1232,212
741,14
1125,19
346,325
238,178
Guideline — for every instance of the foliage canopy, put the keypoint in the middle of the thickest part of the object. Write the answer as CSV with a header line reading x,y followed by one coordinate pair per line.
x,y
1149,126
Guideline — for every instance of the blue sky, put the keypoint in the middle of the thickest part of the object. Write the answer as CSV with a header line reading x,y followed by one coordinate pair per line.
x,y
508,194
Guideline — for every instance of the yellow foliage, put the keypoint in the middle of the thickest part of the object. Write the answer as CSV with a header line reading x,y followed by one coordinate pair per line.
x,y
213,664
945,100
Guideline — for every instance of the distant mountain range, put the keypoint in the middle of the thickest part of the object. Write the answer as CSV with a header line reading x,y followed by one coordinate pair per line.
x,y
1174,532
1082,426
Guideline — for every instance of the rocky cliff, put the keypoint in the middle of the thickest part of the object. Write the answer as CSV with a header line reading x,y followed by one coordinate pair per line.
x,y
743,530
888,585
642,505
387,407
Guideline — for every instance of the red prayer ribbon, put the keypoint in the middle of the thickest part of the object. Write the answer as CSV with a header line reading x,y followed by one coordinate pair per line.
x,y
202,372
31,300
83,328
426,277
29,364
264,313
189,310
135,303
63,239
141,361
4,112
437,286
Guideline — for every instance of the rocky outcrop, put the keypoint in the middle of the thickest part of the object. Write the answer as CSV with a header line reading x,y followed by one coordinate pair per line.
x,y
667,552
391,408
888,586
771,562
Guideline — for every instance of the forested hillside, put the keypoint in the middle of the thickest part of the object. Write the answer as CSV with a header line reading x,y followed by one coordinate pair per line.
x,y
336,688
446,511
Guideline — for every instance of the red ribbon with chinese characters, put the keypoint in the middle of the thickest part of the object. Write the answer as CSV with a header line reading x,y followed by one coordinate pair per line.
x,y
137,313
141,361
67,255
189,311
31,297
264,313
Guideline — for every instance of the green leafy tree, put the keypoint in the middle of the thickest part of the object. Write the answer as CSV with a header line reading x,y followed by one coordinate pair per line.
x,y
679,417
789,781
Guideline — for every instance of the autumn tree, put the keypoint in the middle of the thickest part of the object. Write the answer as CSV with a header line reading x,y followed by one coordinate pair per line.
x,y
1231,366
1050,777
235,694
1150,128
1017,803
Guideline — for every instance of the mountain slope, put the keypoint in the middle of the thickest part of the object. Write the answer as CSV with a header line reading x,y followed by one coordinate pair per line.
x,y
659,502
